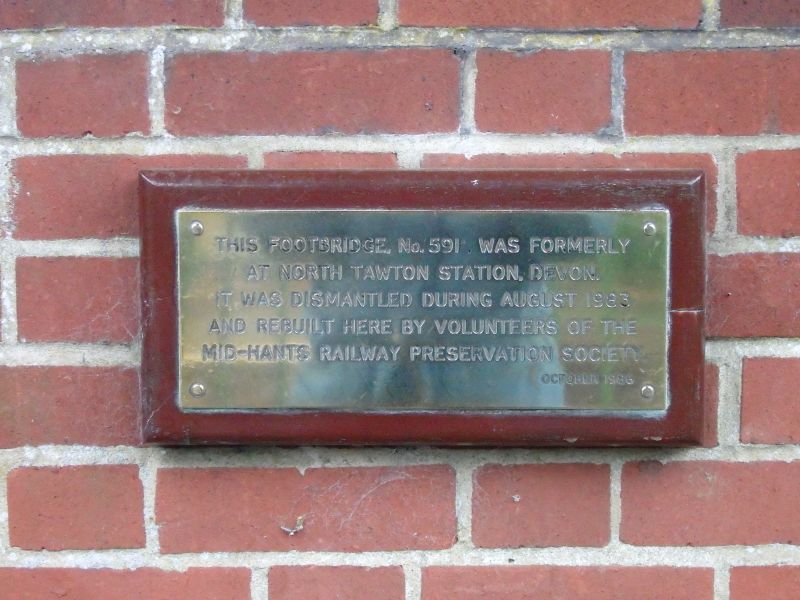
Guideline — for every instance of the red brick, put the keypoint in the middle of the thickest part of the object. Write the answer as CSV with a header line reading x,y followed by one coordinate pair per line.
x,y
550,91
759,13
347,509
768,188
770,406
566,583
336,583
541,505
92,406
40,14
552,14
711,395
588,161
330,160
74,299
76,196
729,92
775,583
102,96
395,91
141,584
710,503
281,13
754,295
80,508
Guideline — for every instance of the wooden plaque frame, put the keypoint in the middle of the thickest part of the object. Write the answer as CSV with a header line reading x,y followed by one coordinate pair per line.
x,y
679,191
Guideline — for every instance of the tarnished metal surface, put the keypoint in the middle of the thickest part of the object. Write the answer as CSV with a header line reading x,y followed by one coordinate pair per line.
x,y
424,310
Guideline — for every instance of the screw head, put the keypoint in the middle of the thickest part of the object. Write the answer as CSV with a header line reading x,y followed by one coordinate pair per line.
x,y
196,227
197,390
648,391
649,228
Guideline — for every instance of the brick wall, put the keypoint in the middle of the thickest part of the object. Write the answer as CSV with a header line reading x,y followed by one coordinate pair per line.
x,y
91,91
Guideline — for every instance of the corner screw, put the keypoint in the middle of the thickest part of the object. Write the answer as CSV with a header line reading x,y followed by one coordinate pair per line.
x,y
648,391
196,227
649,228
197,390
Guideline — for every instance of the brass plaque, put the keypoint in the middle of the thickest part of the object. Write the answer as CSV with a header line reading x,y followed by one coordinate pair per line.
x,y
392,310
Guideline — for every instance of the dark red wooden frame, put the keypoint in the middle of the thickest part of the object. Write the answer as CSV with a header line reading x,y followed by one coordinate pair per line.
x,y
162,192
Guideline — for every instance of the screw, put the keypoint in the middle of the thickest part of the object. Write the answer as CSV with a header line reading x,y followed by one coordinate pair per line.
x,y
648,391
196,227
649,228
197,390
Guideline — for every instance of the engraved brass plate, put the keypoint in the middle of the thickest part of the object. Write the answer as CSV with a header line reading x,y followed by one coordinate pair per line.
x,y
423,309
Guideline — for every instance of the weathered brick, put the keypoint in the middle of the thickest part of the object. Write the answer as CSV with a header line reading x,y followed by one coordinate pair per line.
x,y
550,91
728,92
108,584
567,583
40,14
102,96
334,583
330,160
282,13
770,404
552,14
587,161
710,503
81,508
759,13
77,196
753,295
93,406
768,190
775,583
344,509
541,505
395,91
75,299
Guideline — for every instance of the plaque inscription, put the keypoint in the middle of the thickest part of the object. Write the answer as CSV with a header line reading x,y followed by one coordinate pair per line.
x,y
423,310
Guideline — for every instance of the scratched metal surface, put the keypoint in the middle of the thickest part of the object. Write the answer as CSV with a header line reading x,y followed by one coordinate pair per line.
x,y
537,363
